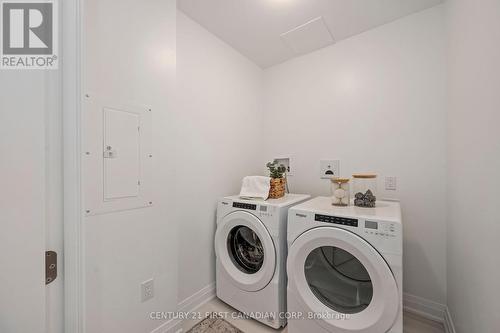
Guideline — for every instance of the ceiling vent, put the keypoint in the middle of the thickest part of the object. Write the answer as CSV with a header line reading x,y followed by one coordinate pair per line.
x,y
308,37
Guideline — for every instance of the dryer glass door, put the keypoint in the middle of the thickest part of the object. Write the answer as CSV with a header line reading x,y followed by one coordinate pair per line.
x,y
338,279
343,281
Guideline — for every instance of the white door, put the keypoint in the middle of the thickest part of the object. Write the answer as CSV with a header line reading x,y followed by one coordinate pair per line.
x,y
30,201
339,275
245,250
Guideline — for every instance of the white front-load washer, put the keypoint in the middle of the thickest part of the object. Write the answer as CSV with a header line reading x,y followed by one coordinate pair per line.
x,y
250,248
344,267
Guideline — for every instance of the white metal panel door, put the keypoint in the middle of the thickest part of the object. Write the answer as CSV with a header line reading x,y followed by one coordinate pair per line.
x,y
121,154
117,166
358,284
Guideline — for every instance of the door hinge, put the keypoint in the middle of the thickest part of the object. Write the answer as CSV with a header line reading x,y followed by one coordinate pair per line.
x,y
50,266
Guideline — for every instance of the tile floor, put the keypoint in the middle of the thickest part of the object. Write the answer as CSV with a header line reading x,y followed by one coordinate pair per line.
x,y
412,322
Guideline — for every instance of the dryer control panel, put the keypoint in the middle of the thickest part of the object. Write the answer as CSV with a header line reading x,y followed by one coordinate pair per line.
x,y
336,220
384,229
386,236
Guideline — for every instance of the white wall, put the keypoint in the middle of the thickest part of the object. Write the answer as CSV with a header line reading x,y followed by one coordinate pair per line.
x,y
474,162
219,141
375,101
130,57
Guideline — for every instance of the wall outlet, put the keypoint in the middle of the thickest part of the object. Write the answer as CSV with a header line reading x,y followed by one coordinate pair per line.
x,y
286,162
147,290
329,169
391,183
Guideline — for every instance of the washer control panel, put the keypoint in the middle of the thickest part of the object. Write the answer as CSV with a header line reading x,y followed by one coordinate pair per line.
x,y
266,211
244,205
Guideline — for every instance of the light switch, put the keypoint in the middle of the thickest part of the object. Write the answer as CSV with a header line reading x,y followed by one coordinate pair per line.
x,y
391,183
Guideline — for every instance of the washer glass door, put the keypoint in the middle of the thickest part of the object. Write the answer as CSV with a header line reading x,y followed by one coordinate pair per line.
x,y
338,279
246,249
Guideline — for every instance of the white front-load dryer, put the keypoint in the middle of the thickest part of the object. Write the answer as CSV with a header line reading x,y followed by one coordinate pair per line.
x,y
251,248
344,268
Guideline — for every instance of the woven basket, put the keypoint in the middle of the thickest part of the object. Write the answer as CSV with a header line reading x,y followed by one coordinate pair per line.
x,y
277,189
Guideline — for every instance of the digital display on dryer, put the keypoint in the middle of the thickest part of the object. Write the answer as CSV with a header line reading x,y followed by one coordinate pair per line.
x,y
371,225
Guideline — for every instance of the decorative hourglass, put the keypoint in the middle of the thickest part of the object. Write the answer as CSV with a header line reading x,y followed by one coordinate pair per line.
x,y
340,192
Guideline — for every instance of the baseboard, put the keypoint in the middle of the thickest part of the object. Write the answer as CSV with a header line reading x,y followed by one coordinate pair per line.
x,y
429,310
449,327
190,304
411,303
424,308
199,298
170,326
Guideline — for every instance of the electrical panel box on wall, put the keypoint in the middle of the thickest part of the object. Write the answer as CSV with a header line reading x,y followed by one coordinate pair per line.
x,y
117,160
122,154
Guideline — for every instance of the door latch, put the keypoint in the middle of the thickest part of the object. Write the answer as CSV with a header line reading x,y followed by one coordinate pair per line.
x,y
50,266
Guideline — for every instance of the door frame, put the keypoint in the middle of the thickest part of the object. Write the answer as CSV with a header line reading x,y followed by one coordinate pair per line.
x,y
72,93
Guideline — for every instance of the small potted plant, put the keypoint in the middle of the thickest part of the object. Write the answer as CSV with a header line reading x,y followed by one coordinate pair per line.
x,y
278,180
